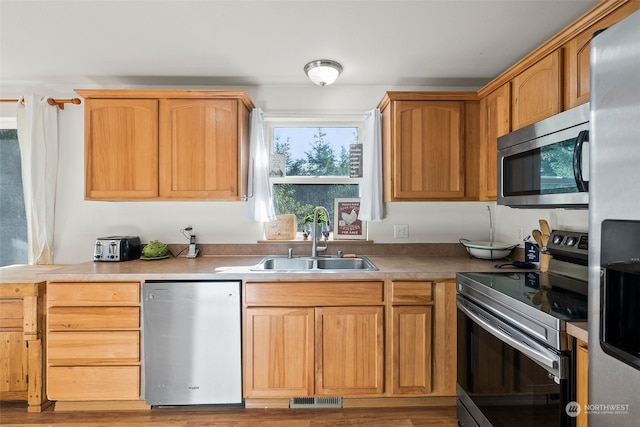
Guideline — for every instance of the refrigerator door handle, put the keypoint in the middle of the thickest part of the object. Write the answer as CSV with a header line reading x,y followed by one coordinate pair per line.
x,y
583,186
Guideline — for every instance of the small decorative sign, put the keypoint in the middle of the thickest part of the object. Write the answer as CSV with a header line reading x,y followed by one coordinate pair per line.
x,y
278,165
347,222
355,160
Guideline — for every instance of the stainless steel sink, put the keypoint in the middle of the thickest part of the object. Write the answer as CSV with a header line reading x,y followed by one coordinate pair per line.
x,y
360,263
276,263
272,263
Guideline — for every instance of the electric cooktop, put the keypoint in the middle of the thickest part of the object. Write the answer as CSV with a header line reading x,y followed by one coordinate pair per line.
x,y
564,298
552,297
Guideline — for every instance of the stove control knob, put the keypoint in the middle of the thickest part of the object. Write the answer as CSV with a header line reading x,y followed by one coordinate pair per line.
x,y
557,239
571,241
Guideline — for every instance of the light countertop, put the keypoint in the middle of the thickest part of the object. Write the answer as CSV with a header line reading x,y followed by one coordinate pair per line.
x,y
579,330
22,273
238,267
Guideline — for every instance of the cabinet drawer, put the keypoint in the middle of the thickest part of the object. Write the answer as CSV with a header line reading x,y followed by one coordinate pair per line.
x,y
11,312
93,318
93,383
312,294
412,293
93,293
97,347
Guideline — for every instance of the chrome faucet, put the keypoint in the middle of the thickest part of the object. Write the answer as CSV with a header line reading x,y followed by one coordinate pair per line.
x,y
314,230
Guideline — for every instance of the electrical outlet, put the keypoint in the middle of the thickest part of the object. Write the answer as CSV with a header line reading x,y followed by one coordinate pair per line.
x,y
401,231
519,234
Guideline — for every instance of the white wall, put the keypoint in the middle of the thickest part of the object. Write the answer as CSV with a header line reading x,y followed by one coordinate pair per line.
x,y
79,222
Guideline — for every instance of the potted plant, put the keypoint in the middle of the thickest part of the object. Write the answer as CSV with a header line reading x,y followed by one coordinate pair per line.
x,y
308,223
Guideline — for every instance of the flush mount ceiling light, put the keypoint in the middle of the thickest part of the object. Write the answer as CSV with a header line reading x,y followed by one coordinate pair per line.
x,y
323,71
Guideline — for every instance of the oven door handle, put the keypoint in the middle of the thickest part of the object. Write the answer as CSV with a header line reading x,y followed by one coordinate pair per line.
x,y
506,337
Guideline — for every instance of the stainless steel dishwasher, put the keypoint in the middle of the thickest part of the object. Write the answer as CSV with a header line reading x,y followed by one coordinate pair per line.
x,y
191,337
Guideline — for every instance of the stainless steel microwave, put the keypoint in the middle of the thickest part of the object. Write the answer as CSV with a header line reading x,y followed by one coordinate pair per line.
x,y
546,164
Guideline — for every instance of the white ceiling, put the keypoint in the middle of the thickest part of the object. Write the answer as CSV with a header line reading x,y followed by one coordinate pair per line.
x,y
267,42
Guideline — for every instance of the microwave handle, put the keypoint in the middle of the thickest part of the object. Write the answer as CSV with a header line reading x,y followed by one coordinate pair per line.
x,y
583,186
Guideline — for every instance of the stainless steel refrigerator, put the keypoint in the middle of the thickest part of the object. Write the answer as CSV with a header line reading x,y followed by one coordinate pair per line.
x,y
614,227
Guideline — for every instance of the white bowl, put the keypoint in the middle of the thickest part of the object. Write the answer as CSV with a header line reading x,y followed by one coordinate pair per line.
x,y
487,250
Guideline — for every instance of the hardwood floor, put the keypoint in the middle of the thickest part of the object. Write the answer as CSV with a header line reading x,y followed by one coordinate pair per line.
x,y
15,414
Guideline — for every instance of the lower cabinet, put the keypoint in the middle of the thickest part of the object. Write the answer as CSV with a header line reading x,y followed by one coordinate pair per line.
x,y
353,339
279,355
412,349
93,341
14,362
82,383
582,381
329,342
423,329
21,348
349,339
349,351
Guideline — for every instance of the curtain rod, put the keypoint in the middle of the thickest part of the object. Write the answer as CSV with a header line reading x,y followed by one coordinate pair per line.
x,y
54,102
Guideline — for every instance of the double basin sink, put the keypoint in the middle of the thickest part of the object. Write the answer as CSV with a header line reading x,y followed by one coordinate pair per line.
x,y
276,263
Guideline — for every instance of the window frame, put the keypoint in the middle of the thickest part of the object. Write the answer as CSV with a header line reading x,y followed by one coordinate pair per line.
x,y
316,121
8,123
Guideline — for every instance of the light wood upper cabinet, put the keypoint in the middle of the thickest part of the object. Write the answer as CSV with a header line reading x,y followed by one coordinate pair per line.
x,y
423,146
495,121
199,148
121,148
577,64
536,91
165,145
429,149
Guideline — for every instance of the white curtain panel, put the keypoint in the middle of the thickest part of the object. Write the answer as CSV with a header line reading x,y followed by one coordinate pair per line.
x,y
38,140
260,197
371,208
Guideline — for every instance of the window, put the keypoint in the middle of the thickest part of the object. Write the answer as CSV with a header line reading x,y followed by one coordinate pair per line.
x,y
13,223
316,163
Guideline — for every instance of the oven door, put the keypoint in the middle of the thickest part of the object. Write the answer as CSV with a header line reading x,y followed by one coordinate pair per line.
x,y
506,378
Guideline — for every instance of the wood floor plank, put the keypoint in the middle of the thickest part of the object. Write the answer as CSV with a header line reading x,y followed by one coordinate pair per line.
x,y
15,414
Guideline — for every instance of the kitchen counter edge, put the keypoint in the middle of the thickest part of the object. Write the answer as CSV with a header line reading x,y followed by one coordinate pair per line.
x,y
239,268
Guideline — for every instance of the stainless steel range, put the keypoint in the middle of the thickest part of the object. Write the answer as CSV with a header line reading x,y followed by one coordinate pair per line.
x,y
515,360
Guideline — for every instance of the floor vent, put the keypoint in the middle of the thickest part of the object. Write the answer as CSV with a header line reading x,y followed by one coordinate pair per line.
x,y
315,402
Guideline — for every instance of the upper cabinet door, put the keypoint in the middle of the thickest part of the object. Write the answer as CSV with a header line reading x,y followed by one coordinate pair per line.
x,y
121,149
428,150
577,58
199,151
495,121
537,91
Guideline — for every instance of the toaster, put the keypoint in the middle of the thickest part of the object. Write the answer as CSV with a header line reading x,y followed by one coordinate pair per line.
x,y
117,248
